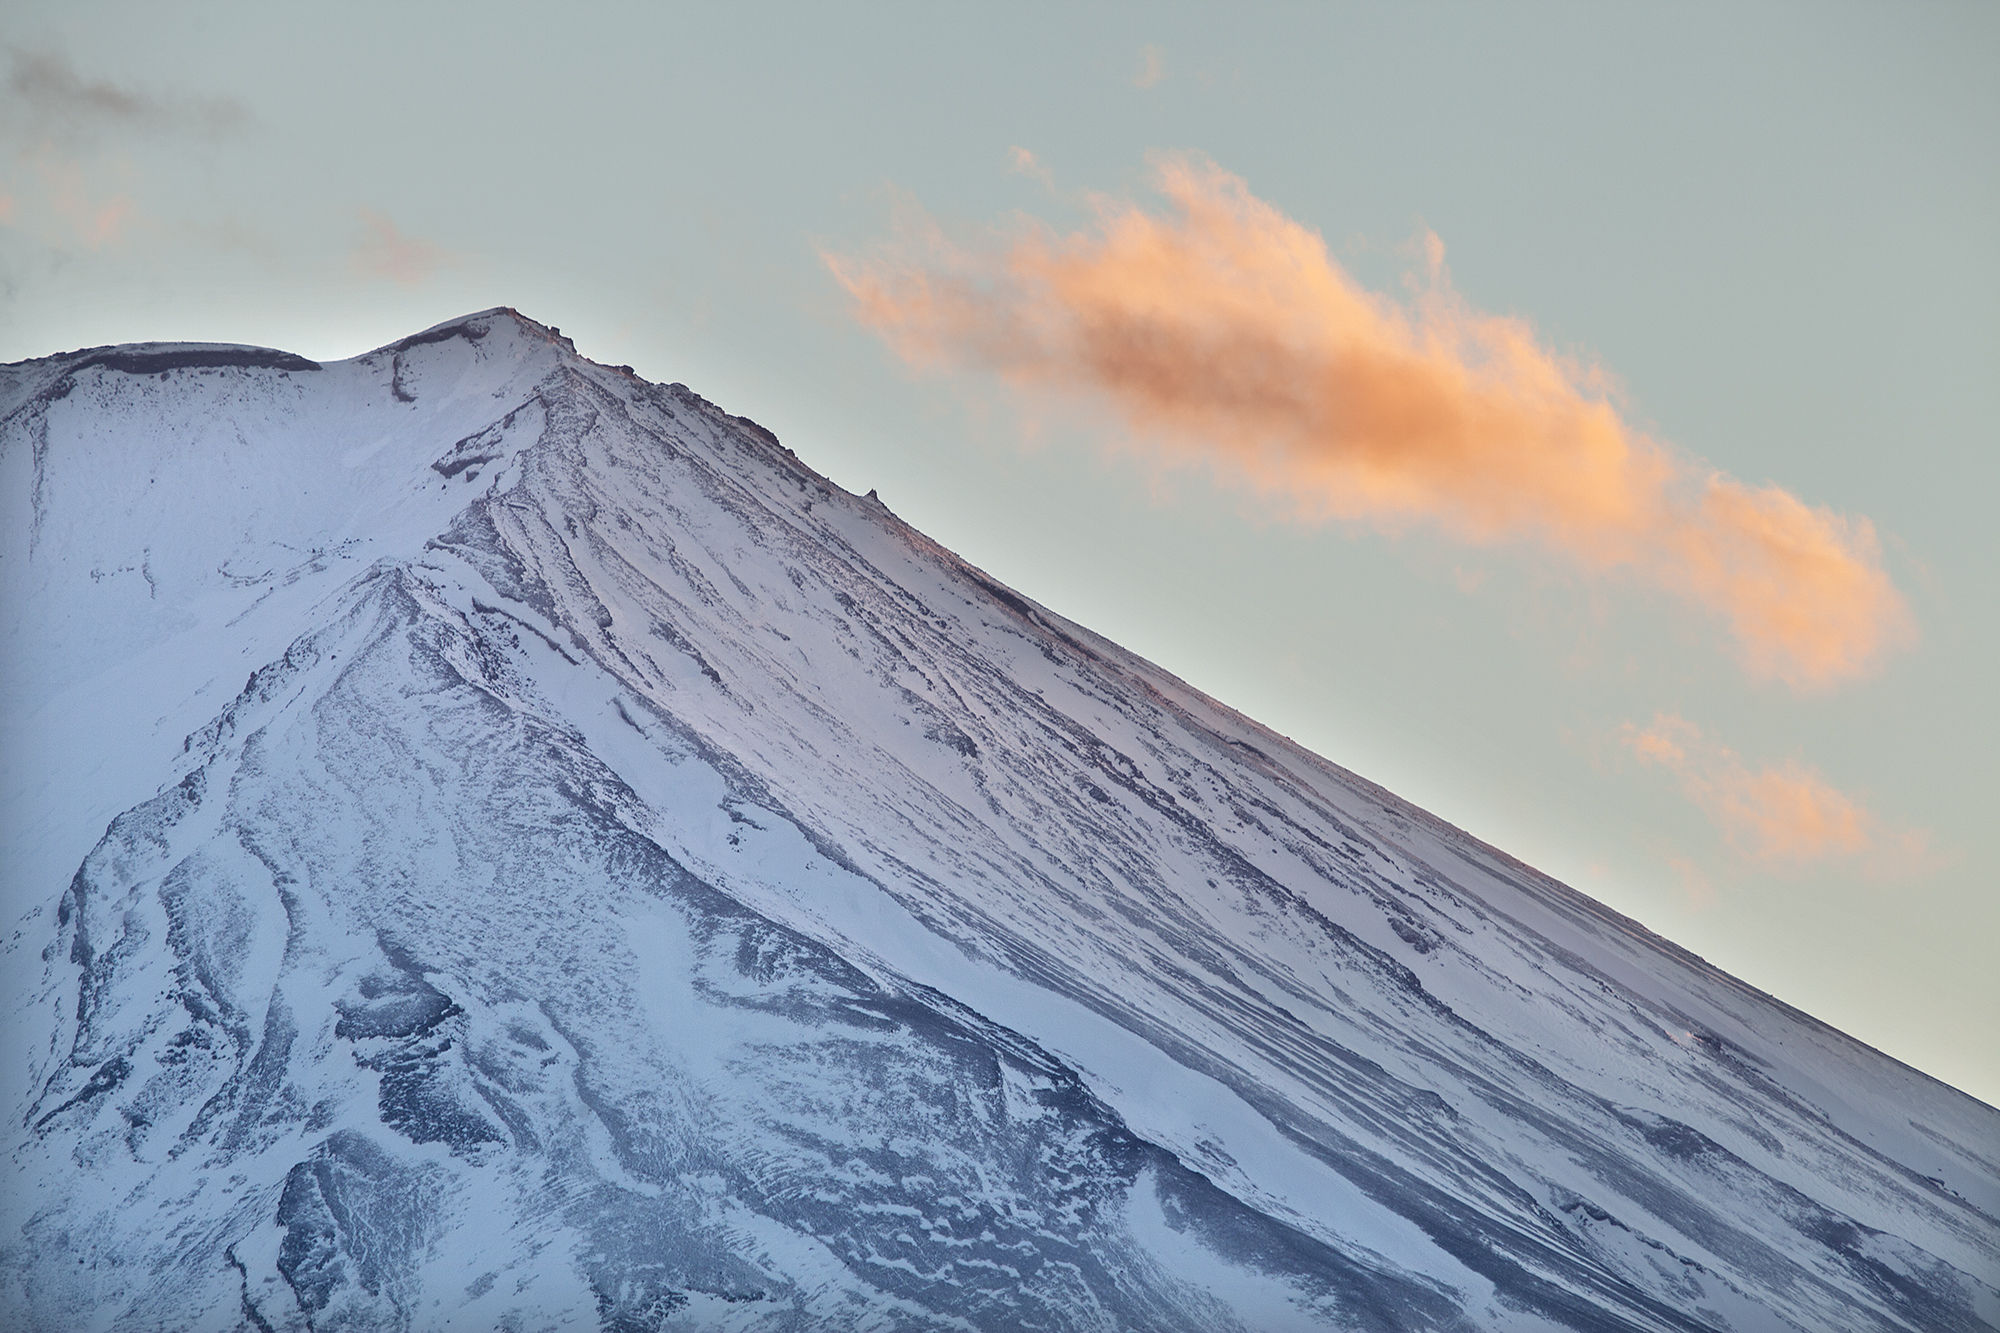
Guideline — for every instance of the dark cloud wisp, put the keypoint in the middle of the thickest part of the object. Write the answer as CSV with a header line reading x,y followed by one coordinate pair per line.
x,y
53,102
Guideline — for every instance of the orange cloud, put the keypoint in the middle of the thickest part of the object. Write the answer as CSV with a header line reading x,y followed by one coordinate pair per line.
x,y
1694,882
387,253
1024,163
1152,66
103,223
1224,333
64,205
1779,814
95,222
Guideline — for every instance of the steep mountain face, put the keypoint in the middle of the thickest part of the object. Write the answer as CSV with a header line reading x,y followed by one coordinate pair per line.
x,y
641,885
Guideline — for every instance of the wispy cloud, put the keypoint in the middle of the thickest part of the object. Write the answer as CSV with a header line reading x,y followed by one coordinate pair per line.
x,y
70,138
1779,814
95,222
1224,333
56,103
68,204
1152,66
1024,163
1695,883
385,252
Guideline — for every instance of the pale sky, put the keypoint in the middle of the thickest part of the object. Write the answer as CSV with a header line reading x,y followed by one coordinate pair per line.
x,y
1775,229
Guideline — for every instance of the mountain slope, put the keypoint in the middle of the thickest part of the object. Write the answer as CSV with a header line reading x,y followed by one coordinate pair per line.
x,y
640,882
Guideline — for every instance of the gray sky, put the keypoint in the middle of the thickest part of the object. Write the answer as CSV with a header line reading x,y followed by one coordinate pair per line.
x,y
1778,227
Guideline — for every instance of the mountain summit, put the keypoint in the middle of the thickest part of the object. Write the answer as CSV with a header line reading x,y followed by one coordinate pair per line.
x,y
494,843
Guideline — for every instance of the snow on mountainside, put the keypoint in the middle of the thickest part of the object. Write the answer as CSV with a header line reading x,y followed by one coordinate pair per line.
x,y
493,843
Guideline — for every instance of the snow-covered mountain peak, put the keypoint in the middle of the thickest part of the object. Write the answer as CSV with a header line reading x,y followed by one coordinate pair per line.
x,y
501,843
